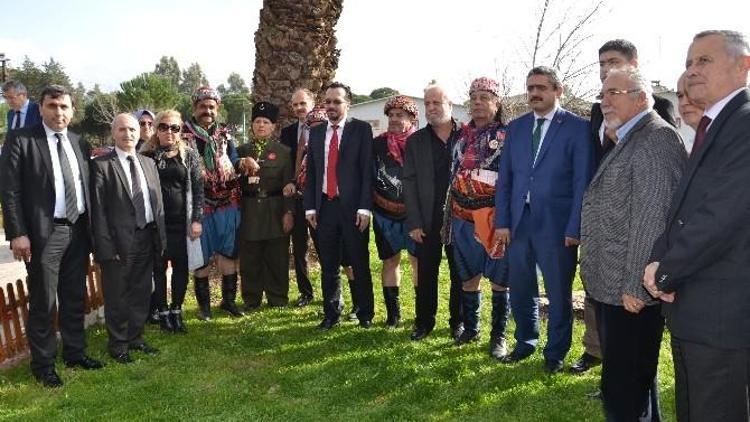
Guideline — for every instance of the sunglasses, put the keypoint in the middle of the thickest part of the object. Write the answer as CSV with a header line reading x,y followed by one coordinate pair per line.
x,y
163,127
145,123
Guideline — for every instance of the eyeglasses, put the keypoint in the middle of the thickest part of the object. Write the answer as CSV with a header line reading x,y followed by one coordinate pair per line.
x,y
613,92
145,123
163,127
336,102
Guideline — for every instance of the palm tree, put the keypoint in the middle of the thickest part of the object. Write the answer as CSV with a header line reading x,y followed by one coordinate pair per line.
x,y
295,46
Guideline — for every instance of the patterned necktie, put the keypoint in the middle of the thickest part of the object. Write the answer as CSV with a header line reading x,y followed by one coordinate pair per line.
x,y
536,137
333,158
700,134
138,201
71,200
17,120
301,148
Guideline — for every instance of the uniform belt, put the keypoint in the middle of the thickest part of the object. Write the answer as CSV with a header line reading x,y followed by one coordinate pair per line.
x,y
271,194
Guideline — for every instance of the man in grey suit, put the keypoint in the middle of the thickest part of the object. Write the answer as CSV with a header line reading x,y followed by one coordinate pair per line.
x,y
46,206
128,226
624,211
700,264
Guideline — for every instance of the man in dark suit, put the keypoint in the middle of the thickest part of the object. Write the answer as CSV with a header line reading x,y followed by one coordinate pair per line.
x,y
295,136
700,264
614,54
426,178
338,203
623,213
545,167
23,112
129,232
46,211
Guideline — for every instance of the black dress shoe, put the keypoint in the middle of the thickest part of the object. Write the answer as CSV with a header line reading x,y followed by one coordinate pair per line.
x,y
303,301
85,362
553,366
584,363
420,333
123,358
145,348
365,323
327,324
516,356
467,336
49,379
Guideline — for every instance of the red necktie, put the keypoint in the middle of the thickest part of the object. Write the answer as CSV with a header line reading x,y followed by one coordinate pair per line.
x,y
333,158
700,134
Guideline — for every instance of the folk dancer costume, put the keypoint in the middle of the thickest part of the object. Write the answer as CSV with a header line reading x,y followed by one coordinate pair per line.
x,y
221,216
469,220
389,210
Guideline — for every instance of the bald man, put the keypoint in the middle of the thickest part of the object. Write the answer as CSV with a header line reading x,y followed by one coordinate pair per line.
x,y
128,228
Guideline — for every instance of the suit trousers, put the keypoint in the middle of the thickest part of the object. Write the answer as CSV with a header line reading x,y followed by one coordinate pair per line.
x,y
429,253
264,267
711,384
528,247
300,237
127,287
336,228
590,331
57,277
630,357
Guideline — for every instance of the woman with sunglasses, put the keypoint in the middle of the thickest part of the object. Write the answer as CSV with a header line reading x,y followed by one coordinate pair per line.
x,y
181,181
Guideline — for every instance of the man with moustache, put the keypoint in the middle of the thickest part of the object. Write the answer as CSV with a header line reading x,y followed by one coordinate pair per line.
x,y
221,218
623,213
545,167
295,136
700,264
613,54
129,233
46,211
426,177
338,203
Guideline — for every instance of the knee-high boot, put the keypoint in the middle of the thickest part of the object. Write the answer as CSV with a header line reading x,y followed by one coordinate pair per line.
x,y
203,296
472,302
392,306
500,312
229,295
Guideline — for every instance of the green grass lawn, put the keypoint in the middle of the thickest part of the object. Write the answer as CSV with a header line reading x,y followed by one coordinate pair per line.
x,y
274,365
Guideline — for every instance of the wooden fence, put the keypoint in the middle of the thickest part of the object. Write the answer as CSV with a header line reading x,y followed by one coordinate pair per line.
x,y
14,313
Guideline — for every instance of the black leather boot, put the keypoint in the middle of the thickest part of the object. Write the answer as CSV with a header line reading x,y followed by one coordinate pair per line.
x,y
472,302
203,296
500,312
178,324
229,294
392,306
165,321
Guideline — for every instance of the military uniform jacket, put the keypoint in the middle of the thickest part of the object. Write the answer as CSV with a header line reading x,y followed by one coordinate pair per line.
x,y
263,204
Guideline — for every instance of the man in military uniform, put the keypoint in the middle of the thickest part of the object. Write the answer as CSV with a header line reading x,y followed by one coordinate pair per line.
x,y
267,216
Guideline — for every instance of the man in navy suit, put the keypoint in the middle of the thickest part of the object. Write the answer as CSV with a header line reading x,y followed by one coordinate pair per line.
x,y
338,203
23,112
544,170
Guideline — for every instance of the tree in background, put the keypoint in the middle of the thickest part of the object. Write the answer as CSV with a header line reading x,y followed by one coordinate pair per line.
x,y
192,78
383,92
169,68
295,46
148,90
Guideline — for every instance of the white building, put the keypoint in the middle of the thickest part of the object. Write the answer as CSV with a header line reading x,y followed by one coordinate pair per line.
x,y
372,113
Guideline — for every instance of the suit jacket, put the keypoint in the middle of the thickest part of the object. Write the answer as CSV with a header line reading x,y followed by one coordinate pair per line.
x,y
28,188
418,179
353,169
662,106
625,209
33,117
705,249
113,216
290,138
556,182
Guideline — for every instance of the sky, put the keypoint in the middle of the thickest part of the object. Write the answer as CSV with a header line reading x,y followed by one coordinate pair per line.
x,y
396,43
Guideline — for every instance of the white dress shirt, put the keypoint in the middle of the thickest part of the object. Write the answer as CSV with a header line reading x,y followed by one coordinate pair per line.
x,y
545,126
123,157
713,111
57,172
24,112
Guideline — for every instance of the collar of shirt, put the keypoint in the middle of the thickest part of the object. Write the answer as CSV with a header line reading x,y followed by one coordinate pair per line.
x,y
25,108
713,111
122,155
340,124
547,117
51,133
624,129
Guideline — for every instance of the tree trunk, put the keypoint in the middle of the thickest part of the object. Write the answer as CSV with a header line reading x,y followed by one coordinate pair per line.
x,y
295,46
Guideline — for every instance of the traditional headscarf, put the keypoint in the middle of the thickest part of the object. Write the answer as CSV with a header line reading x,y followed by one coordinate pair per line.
x,y
397,141
318,114
206,93
485,84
